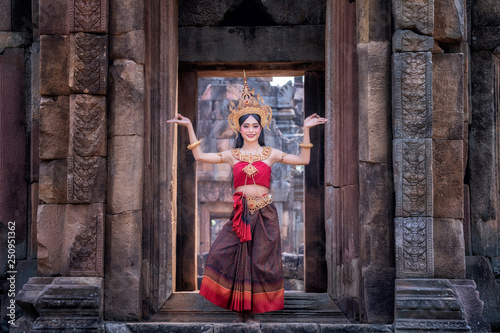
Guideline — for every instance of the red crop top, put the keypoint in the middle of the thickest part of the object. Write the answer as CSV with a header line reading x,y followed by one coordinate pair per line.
x,y
251,169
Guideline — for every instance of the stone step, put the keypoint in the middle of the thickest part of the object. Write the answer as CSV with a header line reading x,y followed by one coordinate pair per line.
x,y
300,307
246,328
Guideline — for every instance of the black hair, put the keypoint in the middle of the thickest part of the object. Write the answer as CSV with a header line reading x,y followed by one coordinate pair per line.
x,y
239,139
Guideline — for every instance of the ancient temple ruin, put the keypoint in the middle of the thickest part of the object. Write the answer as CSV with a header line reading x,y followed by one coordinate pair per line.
x,y
398,207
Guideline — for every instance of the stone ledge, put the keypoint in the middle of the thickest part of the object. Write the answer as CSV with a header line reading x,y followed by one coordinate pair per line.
x,y
246,327
10,39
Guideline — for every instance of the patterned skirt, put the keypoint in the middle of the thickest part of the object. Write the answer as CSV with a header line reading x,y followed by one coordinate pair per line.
x,y
247,275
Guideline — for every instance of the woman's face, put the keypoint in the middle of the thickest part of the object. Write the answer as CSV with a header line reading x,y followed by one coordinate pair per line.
x,y
250,129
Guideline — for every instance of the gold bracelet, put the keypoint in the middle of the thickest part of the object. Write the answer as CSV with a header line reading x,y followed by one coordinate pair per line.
x,y
305,145
283,157
194,145
220,154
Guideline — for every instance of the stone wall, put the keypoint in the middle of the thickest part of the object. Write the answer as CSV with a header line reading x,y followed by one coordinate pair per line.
x,y
19,99
482,173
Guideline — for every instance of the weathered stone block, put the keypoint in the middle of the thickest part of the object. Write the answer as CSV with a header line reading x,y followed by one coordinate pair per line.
x,y
34,196
70,239
53,17
486,38
11,39
428,303
206,13
479,269
86,179
87,125
88,63
447,172
448,96
126,15
5,13
126,109
125,174
13,168
130,45
414,247
378,293
289,328
482,167
374,102
413,177
53,181
296,12
212,43
376,207
374,20
412,95
54,69
449,248
486,12
79,298
414,15
122,298
449,22
408,41
473,305
54,127
88,16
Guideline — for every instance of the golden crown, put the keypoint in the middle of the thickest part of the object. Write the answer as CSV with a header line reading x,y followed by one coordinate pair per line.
x,y
248,104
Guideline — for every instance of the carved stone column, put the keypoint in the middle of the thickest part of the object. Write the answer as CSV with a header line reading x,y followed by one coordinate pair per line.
x,y
73,151
428,171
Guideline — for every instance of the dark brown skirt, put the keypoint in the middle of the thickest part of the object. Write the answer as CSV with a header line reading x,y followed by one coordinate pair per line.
x,y
247,276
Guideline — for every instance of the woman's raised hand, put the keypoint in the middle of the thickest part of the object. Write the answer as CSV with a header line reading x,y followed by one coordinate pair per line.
x,y
314,120
180,120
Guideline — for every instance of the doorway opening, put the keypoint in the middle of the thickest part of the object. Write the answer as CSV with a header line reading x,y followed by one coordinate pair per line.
x,y
214,181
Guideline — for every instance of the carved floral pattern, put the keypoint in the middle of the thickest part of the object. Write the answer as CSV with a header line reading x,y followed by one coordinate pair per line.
x,y
89,63
88,15
86,256
83,172
413,95
413,177
88,121
414,246
84,250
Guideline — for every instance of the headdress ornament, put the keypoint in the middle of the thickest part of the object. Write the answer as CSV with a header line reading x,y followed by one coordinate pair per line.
x,y
249,104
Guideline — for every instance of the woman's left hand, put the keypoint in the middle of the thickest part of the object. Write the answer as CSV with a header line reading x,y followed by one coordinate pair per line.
x,y
314,120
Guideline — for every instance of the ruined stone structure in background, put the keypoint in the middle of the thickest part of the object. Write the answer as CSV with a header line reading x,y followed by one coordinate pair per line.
x,y
401,195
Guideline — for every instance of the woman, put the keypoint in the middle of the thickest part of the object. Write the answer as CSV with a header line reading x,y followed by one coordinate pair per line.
x,y
244,271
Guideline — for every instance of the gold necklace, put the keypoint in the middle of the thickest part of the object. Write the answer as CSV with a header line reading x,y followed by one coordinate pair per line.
x,y
250,170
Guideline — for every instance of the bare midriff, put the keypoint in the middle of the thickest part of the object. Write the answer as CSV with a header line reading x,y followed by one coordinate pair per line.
x,y
252,190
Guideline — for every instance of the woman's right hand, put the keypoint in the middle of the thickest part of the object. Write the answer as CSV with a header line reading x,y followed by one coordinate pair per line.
x,y
180,120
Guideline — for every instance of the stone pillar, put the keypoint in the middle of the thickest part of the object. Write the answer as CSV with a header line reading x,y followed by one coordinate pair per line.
x,y
160,151
73,145
341,158
483,261
428,124
376,202
125,142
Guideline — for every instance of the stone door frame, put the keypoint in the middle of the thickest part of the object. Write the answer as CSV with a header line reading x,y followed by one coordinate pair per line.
x,y
342,187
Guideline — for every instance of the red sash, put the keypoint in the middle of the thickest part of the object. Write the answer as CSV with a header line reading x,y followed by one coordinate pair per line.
x,y
241,224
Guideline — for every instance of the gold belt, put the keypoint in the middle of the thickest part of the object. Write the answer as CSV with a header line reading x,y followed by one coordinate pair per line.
x,y
256,203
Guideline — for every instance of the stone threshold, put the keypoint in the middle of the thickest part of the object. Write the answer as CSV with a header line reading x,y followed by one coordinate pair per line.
x,y
250,328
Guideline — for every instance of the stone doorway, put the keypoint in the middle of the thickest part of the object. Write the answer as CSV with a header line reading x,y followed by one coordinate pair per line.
x,y
207,188
330,65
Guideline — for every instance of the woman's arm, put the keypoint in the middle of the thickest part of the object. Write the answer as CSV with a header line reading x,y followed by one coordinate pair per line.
x,y
198,154
305,153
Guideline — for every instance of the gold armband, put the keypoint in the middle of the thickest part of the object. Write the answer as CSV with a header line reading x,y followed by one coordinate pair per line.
x,y
220,155
283,157
305,145
194,145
